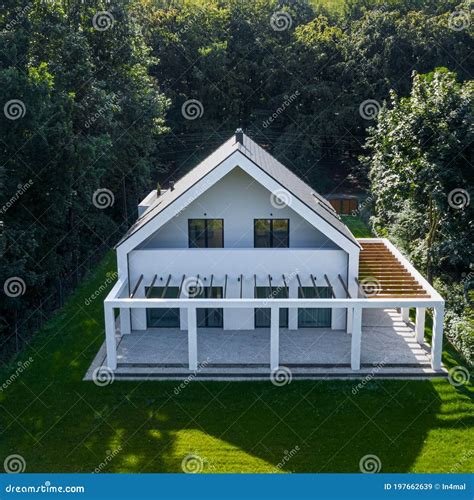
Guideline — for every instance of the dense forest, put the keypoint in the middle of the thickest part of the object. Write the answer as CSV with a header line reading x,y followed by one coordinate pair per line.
x,y
103,100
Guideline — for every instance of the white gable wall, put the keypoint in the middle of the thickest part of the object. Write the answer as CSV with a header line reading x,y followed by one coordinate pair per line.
x,y
238,199
197,194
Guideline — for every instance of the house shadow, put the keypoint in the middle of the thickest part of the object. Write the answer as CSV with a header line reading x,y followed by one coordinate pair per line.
x,y
256,427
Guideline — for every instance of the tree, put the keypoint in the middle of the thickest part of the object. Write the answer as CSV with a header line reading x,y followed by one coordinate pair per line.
x,y
421,172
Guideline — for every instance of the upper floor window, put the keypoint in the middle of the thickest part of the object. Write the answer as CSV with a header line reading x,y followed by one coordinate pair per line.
x,y
271,233
206,233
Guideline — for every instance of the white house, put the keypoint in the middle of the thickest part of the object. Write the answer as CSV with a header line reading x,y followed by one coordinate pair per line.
x,y
241,263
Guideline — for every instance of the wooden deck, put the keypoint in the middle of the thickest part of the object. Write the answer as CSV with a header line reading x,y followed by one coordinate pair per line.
x,y
382,275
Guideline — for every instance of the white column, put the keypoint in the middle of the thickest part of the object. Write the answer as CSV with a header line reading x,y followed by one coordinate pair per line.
x,y
125,323
110,342
275,338
405,314
349,315
437,340
420,325
352,274
356,338
293,311
192,338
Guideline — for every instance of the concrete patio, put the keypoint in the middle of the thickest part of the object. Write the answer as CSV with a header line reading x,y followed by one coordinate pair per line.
x,y
388,344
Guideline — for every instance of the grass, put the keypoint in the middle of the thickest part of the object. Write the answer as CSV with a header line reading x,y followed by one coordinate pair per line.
x,y
357,226
60,424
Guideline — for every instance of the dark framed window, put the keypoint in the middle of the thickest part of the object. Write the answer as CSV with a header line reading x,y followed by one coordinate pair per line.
x,y
206,233
210,317
271,233
314,317
160,317
263,315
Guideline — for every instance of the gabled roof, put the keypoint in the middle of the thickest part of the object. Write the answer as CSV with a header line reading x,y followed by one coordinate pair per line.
x,y
262,159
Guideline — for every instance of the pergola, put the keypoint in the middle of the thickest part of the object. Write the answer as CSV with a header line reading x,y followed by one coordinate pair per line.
x,y
386,280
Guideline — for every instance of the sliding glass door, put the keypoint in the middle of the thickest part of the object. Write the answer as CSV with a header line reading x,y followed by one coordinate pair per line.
x,y
262,315
210,317
314,317
160,317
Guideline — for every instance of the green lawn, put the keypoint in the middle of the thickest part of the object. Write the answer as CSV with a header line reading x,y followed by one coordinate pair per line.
x,y
60,424
357,226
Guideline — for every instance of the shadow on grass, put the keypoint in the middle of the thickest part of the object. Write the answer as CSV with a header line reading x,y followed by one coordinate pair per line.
x,y
60,424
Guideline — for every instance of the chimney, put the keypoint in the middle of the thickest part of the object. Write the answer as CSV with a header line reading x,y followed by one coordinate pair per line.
x,y
171,185
239,136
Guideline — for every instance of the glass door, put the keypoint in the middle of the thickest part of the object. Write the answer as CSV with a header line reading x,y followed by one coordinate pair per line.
x,y
262,315
314,317
210,317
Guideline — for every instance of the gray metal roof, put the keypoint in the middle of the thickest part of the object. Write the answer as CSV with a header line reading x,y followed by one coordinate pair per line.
x,y
264,160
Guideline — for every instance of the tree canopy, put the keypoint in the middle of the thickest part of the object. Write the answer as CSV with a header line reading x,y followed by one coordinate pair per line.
x,y
95,95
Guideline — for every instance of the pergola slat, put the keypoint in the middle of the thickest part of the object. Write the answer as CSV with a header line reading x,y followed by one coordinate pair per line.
x,y
166,286
210,284
330,286
315,286
348,295
300,287
136,286
150,289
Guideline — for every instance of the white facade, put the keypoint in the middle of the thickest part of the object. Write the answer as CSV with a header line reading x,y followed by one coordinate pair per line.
x,y
156,253
238,199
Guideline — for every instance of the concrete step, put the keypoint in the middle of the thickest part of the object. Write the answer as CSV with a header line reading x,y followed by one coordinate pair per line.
x,y
266,366
235,373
